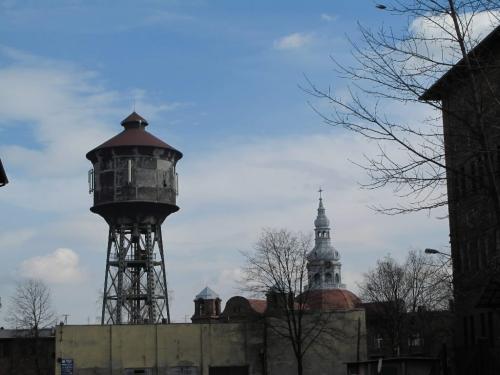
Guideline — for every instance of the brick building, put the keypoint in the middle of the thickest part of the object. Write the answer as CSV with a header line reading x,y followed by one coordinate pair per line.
x,y
21,352
469,94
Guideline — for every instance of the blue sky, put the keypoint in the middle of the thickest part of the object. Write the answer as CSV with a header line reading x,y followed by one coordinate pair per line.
x,y
219,81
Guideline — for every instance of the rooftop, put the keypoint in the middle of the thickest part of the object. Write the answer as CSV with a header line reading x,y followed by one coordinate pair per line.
x,y
207,293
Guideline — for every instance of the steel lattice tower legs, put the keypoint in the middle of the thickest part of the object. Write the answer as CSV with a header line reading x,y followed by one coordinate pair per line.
x,y
135,286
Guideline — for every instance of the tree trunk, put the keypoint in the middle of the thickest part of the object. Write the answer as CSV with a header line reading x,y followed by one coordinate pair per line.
x,y
35,352
299,366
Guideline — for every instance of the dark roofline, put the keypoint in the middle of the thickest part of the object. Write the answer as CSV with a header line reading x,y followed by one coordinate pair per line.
x,y
395,359
3,176
434,92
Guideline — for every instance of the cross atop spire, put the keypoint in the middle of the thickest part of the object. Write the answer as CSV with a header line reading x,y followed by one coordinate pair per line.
x,y
320,191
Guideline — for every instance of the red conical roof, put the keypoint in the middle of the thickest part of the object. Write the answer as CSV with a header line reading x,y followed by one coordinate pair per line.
x,y
134,135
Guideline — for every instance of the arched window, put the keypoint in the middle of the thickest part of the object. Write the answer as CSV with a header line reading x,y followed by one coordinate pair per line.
x,y
328,278
337,278
317,278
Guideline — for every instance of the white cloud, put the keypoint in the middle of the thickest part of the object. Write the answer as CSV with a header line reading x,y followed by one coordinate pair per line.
x,y
67,112
439,44
10,240
292,41
227,194
61,266
273,183
328,17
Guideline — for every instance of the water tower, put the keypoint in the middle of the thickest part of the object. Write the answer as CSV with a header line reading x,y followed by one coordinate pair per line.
x,y
135,188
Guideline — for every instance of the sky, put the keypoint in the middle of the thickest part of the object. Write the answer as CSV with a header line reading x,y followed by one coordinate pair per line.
x,y
218,80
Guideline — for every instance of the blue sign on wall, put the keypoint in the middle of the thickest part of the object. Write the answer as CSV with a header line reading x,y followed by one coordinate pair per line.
x,y
66,366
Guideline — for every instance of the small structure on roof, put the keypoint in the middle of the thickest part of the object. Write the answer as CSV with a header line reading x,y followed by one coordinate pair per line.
x,y
206,306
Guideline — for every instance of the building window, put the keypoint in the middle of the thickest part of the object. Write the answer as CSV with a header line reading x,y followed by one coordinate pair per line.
x,y
414,340
328,278
473,175
482,180
317,278
458,259
136,371
480,253
483,324
466,332
378,341
472,330
91,180
337,278
491,334
463,185
229,370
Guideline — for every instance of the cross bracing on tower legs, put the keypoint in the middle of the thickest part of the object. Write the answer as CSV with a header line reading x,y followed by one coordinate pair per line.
x,y
135,284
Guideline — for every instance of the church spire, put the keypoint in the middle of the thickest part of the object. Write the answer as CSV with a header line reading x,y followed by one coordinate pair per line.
x,y
324,260
322,222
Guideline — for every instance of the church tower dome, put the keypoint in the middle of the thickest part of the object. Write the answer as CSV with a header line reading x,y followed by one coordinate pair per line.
x,y
323,262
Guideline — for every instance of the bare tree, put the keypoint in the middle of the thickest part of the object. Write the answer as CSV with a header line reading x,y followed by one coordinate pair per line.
x,y
31,309
401,290
278,268
30,306
392,70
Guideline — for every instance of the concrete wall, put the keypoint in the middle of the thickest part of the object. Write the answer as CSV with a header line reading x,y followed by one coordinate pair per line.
x,y
191,349
334,342
165,349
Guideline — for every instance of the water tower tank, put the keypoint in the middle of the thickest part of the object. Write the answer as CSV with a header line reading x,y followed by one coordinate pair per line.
x,y
134,182
133,176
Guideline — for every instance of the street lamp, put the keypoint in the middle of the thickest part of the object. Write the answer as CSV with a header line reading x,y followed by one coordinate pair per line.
x,y
434,251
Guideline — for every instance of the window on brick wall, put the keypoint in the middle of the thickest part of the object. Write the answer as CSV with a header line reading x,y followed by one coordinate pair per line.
x,y
473,175
463,185
480,253
472,329
491,332
482,171
458,259
466,331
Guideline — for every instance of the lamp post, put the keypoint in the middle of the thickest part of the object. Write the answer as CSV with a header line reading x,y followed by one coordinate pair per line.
x,y
434,251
